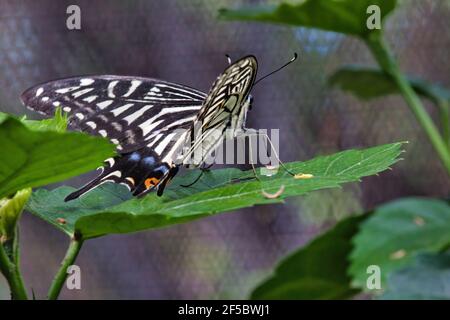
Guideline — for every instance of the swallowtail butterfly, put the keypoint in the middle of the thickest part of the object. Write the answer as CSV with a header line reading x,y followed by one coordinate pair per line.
x,y
143,117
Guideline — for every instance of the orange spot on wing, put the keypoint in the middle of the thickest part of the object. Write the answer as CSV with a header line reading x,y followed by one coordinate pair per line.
x,y
151,182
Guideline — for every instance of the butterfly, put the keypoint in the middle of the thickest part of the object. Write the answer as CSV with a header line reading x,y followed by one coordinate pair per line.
x,y
157,126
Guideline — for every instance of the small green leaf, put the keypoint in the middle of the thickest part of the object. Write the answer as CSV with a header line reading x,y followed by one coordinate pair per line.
x,y
102,211
344,16
58,123
10,210
36,158
369,83
317,271
427,278
396,232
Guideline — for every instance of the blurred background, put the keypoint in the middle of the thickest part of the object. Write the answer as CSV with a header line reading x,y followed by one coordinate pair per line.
x,y
184,42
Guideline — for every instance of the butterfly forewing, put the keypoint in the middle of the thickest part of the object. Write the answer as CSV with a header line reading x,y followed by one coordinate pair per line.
x,y
224,109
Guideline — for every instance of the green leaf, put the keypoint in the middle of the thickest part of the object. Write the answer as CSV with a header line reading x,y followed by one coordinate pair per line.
x,y
3,116
317,271
36,158
58,123
369,83
396,232
430,90
344,16
102,211
10,211
427,278
365,83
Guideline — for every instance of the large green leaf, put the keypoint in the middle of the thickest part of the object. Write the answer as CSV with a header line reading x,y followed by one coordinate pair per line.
x,y
345,16
396,232
103,211
368,83
34,158
317,271
427,278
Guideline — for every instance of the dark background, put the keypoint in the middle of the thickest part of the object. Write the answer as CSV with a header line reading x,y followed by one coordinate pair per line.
x,y
184,42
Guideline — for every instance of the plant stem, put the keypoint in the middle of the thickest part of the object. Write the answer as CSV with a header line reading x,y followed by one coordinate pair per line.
x,y
382,54
444,114
12,275
16,248
61,275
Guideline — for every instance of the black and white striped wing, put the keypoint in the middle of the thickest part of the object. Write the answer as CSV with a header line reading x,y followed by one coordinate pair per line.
x,y
127,110
224,108
140,115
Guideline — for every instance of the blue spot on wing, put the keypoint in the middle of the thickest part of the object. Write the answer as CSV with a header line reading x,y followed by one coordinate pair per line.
x,y
163,169
135,156
149,160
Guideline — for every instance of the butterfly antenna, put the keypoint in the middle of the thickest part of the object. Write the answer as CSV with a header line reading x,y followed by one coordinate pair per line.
x,y
276,70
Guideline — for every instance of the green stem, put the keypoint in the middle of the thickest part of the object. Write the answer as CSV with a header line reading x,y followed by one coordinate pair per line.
x,y
61,275
16,248
12,248
12,275
382,54
444,115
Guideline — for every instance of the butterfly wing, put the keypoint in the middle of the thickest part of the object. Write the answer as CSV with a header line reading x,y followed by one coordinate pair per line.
x,y
225,108
140,171
127,110
142,116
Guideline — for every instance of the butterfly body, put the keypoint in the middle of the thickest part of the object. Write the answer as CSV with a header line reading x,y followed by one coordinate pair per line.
x,y
156,125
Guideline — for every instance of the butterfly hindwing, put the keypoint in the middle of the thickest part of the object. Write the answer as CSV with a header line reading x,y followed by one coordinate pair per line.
x,y
140,171
126,110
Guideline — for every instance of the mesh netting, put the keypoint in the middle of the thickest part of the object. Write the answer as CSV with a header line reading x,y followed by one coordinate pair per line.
x,y
182,41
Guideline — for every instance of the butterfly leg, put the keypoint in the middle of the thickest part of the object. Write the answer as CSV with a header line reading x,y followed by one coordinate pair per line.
x,y
203,170
251,160
172,172
193,182
268,141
